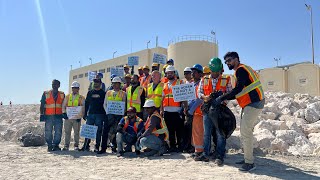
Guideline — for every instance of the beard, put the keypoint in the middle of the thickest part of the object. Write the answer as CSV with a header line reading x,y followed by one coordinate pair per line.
x,y
171,77
231,67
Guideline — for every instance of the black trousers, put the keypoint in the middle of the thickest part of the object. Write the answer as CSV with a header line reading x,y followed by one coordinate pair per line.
x,y
175,127
110,127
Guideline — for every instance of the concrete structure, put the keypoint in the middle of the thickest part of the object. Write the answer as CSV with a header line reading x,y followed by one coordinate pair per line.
x,y
274,79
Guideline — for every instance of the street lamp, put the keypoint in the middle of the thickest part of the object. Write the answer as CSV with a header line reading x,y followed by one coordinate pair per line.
x,y
71,67
80,63
90,60
113,54
309,8
148,44
277,60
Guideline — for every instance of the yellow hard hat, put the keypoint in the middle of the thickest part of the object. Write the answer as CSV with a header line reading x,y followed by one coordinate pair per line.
x,y
155,64
165,66
146,67
140,68
126,66
206,69
128,75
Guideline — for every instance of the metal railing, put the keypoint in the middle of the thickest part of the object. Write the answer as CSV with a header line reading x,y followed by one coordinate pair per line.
x,y
211,39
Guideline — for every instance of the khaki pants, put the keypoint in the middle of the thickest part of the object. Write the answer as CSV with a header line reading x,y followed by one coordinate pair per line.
x,y
68,125
248,118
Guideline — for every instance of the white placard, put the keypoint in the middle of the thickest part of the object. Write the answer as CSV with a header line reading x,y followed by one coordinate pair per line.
x,y
133,60
74,112
183,92
91,75
88,131
118,71
116,107
159,58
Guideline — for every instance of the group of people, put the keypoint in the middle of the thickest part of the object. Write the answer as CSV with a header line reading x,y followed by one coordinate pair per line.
x,y
153,121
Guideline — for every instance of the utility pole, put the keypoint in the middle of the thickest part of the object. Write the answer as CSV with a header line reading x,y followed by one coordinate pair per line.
x,y
309,8
90,60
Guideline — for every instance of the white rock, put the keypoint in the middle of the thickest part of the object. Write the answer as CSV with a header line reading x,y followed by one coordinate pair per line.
x,y
263,138
312,112
233,142
268,115
314,138
271,125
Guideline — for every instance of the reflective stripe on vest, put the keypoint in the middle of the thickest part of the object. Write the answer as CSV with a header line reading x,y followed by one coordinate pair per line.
x,y
135,126
168,98
118,97
156,94
134,99
198,110
53,107
220,86
243,98
73,102
155,131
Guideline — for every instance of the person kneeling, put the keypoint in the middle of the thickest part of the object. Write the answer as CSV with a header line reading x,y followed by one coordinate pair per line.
x,y
127,131
155,135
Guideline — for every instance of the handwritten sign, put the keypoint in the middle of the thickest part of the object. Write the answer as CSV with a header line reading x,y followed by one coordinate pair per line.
x,y
159,58
88,131
118,71
91,75
74,112
116,107
133,60
183,92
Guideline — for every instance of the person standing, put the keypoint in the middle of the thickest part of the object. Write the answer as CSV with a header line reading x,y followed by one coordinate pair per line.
x,y
94,113
250,96
147,77
154,90
136,96
51,114
187,75
103,86
73,99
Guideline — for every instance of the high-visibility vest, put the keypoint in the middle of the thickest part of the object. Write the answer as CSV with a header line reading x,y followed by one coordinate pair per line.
x,y
134,99
74,101
158,130
145,81
168,97
136,123
156,94
220,86
164,80
118,97
53,107
198,110
243,97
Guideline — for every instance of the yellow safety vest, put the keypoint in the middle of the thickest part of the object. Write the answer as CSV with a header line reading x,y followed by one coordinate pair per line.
x,y
118,97
134,98
155,95
76,101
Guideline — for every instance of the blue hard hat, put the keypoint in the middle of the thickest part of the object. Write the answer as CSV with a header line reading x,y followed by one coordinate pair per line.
x,y
170,61
100,74
197,67
113,76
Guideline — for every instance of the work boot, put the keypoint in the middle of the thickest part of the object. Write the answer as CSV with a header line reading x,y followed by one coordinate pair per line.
x,y
114,150
128,149
151,153
49,148
219,162
162,150
76,148
102,151
195,154
96,149
147,150
65,149
137,152
56,148
246,167
119,154
240,162
202,157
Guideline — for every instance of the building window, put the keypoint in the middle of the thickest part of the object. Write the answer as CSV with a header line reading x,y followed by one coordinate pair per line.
x,y
80,75
108,69
86,74
74,77
102,70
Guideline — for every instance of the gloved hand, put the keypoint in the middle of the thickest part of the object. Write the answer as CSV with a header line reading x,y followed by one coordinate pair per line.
x,y
65,116
78,120
42,118
217,101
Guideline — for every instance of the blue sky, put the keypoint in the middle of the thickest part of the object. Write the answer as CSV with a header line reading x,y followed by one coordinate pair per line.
x,y
39,40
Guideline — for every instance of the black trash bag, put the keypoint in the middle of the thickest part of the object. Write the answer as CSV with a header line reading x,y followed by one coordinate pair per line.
x,y
29,139
222,115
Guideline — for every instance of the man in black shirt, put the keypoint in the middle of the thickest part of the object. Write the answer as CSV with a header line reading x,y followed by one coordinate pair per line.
x,y
94,113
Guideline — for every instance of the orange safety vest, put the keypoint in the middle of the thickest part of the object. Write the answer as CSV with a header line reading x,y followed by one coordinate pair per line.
x,y
145,81
164,80
141,77
168,97
157,131
135,126
198,110
53,107
220,86
243,97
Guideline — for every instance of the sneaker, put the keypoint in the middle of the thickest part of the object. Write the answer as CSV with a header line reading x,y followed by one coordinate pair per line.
x,y
137,152
246,167
96,150
65,149
84,149
240,162
202,158
195,154
114,150
219,162
49,148
56,148
119,154
102,151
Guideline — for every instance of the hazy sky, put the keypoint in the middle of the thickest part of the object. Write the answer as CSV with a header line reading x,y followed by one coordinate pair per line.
x,y
39,40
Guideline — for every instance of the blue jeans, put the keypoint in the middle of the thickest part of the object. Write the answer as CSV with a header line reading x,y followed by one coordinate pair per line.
x,y
151,142
97,120
207,126
126,138
220,149
53,123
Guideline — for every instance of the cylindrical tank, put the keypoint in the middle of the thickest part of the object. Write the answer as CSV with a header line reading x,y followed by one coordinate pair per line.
x,y
189,50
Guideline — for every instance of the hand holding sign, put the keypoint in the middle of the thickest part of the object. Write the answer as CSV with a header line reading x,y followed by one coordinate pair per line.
x,y
183,92
116,107
88,131
74,112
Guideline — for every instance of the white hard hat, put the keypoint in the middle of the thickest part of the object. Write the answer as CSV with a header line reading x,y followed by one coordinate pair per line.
x,y
187,69
170,68
75,84
149,103
116,80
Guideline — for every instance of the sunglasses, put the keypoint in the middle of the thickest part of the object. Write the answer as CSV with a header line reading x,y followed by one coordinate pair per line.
x,y
97,80
228,60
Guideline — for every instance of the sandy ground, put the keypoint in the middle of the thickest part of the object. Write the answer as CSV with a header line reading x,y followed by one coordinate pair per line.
x,y
36,163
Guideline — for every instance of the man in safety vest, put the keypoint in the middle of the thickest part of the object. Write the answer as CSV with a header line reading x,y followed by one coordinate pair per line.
x,y
147,77
112,120
187,75
206,71
91,85
51,114
126,69
73,99
140,73
155,135
155,66
171,111
136,95
127,80
250,96
127,131
216,82
154,90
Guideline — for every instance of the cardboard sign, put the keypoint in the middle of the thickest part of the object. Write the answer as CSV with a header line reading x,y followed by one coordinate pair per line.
x,y
133,60
159,58
118,71
183,92
116,107
91,75
74,112
88,131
